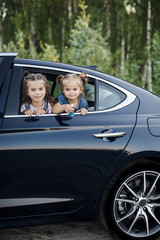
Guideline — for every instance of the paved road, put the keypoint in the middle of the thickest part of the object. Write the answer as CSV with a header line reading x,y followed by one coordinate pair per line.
x,y
65,231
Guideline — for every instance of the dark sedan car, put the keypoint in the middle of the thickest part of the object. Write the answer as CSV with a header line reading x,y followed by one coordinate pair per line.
x,y
55,167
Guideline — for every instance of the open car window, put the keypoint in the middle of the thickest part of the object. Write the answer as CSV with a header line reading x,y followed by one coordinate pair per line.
x,y
100,95
88,93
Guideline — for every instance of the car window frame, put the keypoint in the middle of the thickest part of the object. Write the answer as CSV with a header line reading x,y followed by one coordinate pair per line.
x,y
4,92
130,97
5,64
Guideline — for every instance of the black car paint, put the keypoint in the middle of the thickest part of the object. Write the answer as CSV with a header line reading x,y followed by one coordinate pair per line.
x,y
40,155
57,148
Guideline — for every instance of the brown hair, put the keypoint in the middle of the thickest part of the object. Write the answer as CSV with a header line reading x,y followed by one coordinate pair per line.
x,y
81,79
33,77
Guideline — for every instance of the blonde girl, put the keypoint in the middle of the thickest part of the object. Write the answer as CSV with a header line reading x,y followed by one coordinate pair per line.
x,y
36,97
71,97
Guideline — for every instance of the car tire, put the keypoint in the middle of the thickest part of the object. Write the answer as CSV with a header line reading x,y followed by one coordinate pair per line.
x,y
130,204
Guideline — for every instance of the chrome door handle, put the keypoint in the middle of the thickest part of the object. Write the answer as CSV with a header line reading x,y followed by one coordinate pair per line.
x,y
109,135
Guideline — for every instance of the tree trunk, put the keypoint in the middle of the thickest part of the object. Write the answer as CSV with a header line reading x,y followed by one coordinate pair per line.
x,y
50,36
75,7
30,25
122,53
128,47
32,38
63,31
70,13
108,28
147,76
63,40
27,26
149,47
144,76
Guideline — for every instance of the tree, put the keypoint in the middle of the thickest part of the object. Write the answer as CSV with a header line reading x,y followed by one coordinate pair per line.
x,y
19,47
115,35
147,76
48,53
86,45
156,61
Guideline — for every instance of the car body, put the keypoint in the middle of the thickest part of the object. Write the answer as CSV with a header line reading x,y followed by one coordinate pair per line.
x,y
55,167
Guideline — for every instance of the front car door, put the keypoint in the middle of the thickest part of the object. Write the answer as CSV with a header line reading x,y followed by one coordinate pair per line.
x,y
52,163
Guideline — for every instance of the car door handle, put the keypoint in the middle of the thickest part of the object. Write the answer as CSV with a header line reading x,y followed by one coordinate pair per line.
x,y
109,135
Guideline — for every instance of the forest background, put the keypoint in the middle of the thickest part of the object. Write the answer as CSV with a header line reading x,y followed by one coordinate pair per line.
x,y
121,37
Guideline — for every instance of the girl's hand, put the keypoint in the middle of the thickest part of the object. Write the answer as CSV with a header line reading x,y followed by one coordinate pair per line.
x,y
28,112
83,111
39,111
68,108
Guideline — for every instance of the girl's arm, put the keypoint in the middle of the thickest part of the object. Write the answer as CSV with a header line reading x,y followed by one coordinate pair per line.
x,y
58,108
84,106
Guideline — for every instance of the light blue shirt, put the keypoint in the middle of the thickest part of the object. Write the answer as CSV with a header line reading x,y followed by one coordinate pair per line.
x,y
82,103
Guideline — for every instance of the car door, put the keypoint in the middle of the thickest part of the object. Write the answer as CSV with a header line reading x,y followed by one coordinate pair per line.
x,y
52,163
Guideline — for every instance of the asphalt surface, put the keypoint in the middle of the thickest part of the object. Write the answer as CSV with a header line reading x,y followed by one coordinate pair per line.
x,y
65,231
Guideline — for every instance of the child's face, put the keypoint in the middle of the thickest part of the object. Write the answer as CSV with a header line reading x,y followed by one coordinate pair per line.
x,y
36,90
72,90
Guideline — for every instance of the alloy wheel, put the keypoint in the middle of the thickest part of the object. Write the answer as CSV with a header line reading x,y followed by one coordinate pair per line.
x,y
136,206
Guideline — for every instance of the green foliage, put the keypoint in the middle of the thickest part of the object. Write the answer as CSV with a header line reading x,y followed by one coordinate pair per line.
x,y
86,45
131,71
19,47
40,29
48,53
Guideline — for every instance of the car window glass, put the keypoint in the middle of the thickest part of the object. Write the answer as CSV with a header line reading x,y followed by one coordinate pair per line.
x,y
89,94
109,96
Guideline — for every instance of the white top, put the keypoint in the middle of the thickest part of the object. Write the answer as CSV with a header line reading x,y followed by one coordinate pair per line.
x,y
31,107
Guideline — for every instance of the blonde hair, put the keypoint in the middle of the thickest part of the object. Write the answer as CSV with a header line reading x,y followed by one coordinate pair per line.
x,y
81,79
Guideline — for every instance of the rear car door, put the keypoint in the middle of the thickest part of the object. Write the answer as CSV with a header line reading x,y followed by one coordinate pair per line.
x,y
52,163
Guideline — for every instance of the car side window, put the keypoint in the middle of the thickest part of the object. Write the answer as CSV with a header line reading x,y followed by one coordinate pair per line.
x,y
89,94
109,96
